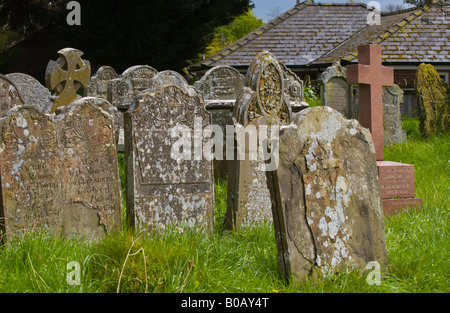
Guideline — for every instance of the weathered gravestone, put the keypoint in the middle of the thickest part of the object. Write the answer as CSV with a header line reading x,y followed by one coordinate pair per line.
x,y
262,103
326,205
32,92
392,119
123,91
168,178
65,76
220,87
334,90
220,83
371,76
59,172
293,91
9,95
434,110
98,84
337,94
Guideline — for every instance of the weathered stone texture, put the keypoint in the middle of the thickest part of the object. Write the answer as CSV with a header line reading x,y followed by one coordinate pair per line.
x,y
220,83
9,95
434,109
262,102
335,92
98,84
392,119
59,172
66,75
162,187
31,91
123,90
325,195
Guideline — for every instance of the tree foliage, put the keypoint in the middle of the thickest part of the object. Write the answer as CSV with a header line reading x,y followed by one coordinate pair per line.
x,y
238,28
121,33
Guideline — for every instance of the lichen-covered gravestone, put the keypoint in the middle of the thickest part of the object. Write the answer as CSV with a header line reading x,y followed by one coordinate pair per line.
x,y
123,90
326,205
59,172
9,95
168,181
65,76
293,91
434,110
98,84
220,87
392,119
335,92
32,92
262,103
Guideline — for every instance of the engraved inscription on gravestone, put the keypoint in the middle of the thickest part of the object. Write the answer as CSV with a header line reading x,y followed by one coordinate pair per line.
x,y
335,92
9,95
98,84
59,172
123,90
162,188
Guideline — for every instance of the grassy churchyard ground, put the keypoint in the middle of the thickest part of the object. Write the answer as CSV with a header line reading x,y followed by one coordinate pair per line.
x,y
176,259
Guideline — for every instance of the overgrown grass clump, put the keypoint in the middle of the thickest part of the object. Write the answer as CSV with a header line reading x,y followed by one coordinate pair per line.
x,y
179,259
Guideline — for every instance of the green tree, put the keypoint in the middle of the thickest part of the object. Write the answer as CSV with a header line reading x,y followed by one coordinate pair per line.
x,y
121,33
238,28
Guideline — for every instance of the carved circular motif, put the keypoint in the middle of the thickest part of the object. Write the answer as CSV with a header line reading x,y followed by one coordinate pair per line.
x,y
48,140
270,89
295,90
122,88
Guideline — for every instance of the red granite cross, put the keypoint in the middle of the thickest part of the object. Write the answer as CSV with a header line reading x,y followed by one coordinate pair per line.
x,y
371,77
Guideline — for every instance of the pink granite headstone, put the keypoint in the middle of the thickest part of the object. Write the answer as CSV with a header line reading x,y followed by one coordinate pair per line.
x,y
396,179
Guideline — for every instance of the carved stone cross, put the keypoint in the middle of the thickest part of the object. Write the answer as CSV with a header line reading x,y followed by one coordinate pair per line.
x,y
66,75
371,77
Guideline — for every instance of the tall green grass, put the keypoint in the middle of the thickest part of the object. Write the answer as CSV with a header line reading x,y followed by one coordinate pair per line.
x,y
179,259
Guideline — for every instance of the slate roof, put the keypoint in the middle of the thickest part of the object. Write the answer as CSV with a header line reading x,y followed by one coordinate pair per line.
x,y
412,36
318,33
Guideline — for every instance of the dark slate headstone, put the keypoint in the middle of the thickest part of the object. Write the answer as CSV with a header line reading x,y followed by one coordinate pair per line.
x,y
335,92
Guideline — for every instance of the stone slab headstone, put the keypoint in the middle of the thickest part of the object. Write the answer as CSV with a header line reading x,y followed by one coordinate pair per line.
x,y
98,84
392,119
32,91
163,186
261,103
9,95
59,172
294,90
220,87
335,92
434,109
66,75
220,83
326,206
123,90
